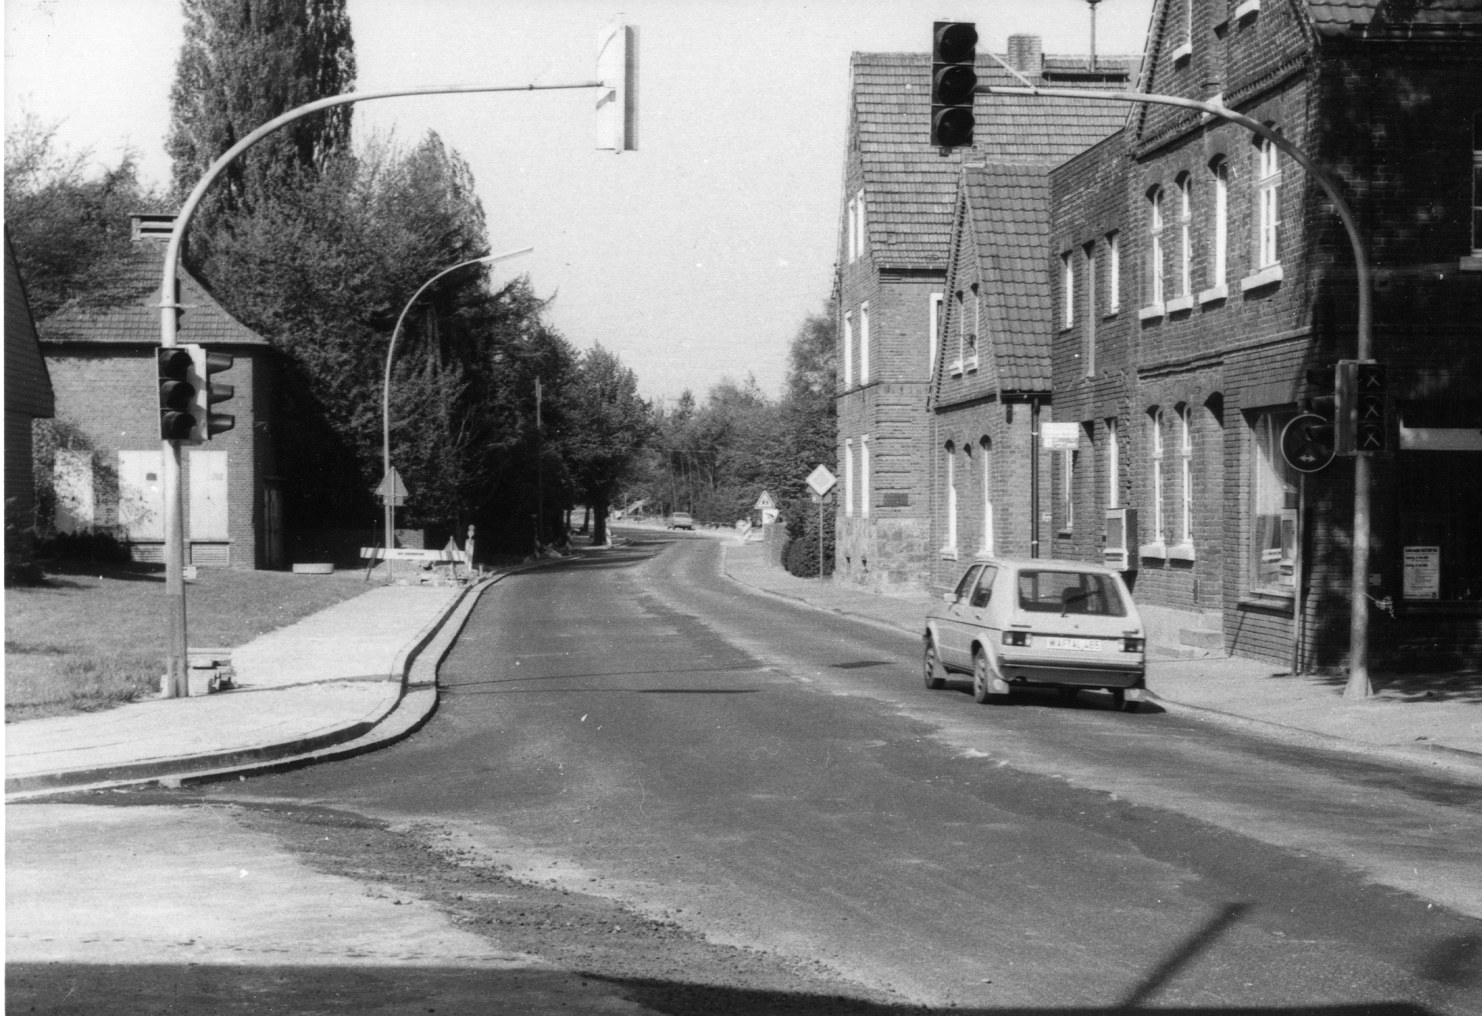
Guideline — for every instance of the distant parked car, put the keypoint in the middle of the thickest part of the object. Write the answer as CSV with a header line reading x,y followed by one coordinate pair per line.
x,y
1061,624
681,520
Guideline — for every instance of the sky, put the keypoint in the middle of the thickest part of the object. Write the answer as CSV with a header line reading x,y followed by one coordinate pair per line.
x,y
695,258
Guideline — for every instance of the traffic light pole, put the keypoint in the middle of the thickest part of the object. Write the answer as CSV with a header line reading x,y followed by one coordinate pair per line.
x,y
1359,685
176,657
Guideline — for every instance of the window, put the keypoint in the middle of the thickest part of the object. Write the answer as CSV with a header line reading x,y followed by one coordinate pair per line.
x,y
851,230
864,476
848,364
141,494
1065,592
208,518
1113,465
1155,458
859,222
1273,507
1186,476
950,548
966,584
973,337
1184,280
1113,272
848,476
864,343
933,326
1219,245
1155,247
983,591
985,478
961,311
1088,351
1268,207
1067,491
1067,286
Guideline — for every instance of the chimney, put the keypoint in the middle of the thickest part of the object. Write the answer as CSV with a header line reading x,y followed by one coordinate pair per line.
x,y
1026,55
151,226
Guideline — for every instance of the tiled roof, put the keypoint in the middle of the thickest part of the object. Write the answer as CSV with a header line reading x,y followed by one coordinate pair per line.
x,y
910,187
1010,209
1371,17
135,317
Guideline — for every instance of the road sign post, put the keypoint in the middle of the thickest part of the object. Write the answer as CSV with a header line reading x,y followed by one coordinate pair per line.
x,y
821,481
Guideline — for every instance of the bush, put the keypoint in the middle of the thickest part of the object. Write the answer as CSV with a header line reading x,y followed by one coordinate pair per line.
x,y
93,547
800,554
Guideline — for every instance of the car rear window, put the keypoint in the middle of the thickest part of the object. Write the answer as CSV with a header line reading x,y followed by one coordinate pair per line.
x,y
1068,592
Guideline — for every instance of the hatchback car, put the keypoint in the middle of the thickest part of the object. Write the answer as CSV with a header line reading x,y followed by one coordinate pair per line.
x,y
1061,624
681,520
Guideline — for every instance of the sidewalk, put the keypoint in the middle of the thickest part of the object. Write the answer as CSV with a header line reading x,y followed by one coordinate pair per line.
x,y
1432,720
347,679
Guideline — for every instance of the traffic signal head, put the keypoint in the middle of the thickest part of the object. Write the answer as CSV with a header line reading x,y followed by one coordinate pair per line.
x,y
1333,401
207,364
177,393
1370,407
954,81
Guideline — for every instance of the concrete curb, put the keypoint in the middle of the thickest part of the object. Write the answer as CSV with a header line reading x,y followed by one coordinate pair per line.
x,y
407,705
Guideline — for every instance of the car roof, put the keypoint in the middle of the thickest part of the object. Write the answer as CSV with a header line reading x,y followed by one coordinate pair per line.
x,y
1045,564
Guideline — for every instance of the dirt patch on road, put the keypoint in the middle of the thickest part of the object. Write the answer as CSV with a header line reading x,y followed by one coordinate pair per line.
x,y
655,963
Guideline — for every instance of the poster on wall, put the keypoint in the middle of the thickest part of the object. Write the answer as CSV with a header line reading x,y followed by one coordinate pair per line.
x,y
1422,573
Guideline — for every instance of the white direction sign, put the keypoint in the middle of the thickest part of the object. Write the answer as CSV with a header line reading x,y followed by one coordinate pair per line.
x,y
821,480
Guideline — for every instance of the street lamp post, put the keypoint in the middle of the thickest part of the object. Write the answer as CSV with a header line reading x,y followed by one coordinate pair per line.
x,y
175,683
390,513
1358,685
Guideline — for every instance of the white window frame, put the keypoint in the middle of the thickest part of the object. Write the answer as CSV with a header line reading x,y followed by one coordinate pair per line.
x,y
864,476
864,343
1113,465
1089,351
849,477
849,231
1185,279
141,494
949,549
1185,416
1155,249
1268,204
209,518
859,219
1067,490
1067,288
1114,272
985,462
1273,485
847,373
955,367
1219,249
934,324
1158,548
975,338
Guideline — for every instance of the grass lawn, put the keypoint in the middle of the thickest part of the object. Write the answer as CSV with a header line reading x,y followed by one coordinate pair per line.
x,y
88,640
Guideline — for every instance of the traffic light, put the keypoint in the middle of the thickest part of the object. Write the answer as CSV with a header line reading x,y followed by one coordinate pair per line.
x,y
954,81
207,364
1370,407
1333,402
177,393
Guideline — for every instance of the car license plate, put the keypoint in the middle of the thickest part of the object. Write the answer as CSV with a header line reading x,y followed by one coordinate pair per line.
x,y
1081,645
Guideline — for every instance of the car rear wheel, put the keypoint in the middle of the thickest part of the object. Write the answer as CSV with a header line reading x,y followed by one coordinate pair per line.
x,y
1121,702
932,670
983,680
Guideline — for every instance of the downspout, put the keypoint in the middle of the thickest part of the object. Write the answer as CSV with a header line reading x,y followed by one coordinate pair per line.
x,y
1034,476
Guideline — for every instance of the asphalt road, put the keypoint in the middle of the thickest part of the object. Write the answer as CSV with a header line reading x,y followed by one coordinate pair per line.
x,y
637,727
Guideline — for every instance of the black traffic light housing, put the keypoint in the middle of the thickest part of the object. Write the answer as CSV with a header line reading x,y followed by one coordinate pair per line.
x,y
177,392
954,82
1370,407
207,364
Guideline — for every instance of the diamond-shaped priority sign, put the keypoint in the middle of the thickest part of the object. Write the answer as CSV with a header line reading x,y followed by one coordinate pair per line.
x,y
821,480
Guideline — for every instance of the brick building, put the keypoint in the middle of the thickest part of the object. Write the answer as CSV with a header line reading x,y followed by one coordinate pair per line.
x,y
1233,278
894,239
102,362
28,397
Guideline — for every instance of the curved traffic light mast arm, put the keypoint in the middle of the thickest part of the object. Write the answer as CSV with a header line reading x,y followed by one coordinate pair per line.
x,y
175,684
1358,685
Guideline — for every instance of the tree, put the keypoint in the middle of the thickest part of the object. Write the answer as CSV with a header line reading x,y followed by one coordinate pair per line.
x,y
243,63
611,426
70,229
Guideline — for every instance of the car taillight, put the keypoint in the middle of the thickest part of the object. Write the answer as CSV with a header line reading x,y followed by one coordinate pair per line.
x,y
1132,645
1016,638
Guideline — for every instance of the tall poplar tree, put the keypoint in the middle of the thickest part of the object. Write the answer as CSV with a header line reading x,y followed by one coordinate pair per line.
x,y
242,63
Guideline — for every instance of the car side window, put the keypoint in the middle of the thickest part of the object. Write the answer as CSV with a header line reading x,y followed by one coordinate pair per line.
x,y
984,590
965,585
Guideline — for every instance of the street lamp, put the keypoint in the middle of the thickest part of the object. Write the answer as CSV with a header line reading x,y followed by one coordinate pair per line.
x,y
390,514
